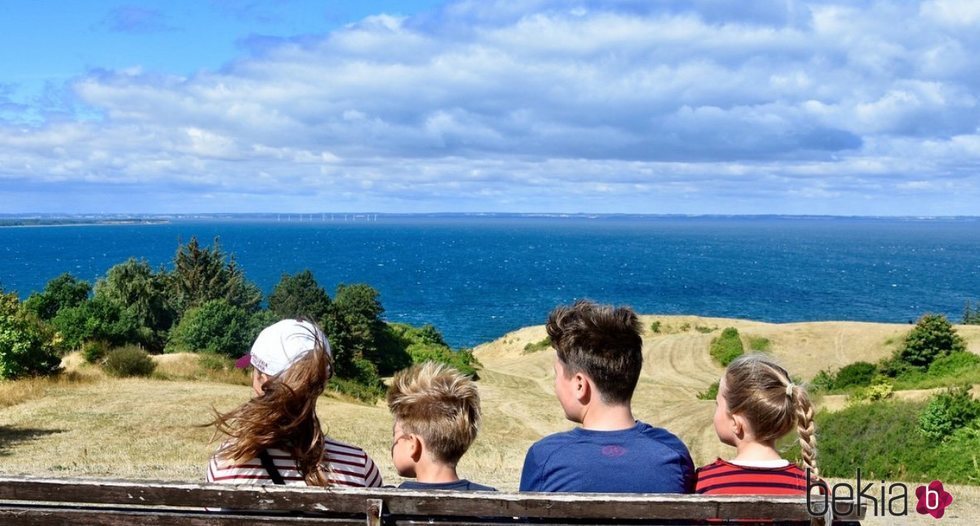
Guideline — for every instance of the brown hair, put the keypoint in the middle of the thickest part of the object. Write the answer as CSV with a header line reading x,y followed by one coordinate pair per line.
x,y
283,417
763,392
601,341
438,403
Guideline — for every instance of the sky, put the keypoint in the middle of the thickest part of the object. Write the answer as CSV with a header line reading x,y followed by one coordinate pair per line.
x,y
553,106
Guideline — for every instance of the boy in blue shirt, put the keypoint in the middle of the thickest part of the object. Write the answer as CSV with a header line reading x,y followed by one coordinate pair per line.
x,y
599,357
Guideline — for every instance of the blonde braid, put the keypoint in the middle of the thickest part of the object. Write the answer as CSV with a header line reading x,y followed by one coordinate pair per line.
x,y
806,429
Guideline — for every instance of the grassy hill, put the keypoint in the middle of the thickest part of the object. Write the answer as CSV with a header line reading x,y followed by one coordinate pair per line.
x,y
86,424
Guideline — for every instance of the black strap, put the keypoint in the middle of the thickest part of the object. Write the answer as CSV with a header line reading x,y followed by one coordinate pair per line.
x,y
270,466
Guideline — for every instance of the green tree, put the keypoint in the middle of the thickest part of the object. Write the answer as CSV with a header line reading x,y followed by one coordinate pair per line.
x,y
948,411
932,337
358,333
202,274
971,314
727,346
96,319
25,346
135,287
216,327
61,292
299,295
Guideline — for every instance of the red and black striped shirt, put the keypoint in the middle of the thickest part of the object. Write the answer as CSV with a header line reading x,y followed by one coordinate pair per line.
x,y
725,478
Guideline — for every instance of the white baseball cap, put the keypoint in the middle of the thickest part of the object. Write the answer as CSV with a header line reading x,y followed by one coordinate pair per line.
x,y
279,345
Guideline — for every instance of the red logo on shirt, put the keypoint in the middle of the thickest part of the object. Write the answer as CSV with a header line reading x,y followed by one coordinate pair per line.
x,y
613,451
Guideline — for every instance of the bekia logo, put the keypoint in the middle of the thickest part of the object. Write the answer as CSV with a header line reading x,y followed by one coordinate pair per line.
x,y
933,499
880,499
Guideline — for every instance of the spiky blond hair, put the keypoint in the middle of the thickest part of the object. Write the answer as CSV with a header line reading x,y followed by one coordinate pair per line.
x,y
438,403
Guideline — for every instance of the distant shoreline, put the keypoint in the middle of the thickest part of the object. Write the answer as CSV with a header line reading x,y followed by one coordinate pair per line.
x,y
60,223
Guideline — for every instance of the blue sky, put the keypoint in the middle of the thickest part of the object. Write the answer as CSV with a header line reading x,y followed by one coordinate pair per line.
x,y
634,106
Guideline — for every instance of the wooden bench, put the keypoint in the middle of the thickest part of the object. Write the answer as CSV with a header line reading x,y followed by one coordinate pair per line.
x,y
37,501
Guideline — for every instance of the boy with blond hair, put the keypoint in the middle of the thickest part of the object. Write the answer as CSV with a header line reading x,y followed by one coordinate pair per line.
x,y
598,362
437,416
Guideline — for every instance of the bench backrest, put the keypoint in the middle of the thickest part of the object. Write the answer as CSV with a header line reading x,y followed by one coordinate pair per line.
x,y
30,500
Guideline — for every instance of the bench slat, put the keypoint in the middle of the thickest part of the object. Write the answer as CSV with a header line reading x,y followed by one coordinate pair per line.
x,y
404,502
41,516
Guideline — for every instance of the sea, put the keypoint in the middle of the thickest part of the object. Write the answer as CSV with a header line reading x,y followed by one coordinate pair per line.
x,y
476,277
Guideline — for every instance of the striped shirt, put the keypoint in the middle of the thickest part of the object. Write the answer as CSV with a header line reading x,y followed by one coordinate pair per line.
x,y
725,478
346,465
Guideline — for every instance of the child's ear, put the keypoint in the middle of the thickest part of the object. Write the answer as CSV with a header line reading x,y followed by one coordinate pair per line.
x,y
582,388
739,425
416,451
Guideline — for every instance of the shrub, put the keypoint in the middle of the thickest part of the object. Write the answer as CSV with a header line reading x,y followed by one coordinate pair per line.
x,y
727,346
365,393
823,381
463,359
704,329
759,343
128,361
947,412
655,326
94,351
212,362
25,344
95,319
710,393
215,327
537,346
872,393
932,337
954,363
855,374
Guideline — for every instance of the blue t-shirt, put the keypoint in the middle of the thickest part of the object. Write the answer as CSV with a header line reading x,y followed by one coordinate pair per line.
x,y
459,485
641,459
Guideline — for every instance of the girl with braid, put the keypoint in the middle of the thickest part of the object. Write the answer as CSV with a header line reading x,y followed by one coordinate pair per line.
x,y
757,404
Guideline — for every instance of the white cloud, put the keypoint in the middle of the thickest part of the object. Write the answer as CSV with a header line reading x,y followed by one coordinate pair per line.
x,y
611,106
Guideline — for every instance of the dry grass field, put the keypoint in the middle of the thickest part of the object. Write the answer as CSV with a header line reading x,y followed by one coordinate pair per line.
x,y
86,424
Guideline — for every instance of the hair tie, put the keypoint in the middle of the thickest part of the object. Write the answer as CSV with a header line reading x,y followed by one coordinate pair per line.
x,y
789,389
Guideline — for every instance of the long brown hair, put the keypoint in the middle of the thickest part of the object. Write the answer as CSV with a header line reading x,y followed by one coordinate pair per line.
x,y
284,417
763,392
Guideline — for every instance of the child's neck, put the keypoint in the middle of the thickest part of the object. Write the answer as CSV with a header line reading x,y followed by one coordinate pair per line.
x,y
753,450
435,472
602,417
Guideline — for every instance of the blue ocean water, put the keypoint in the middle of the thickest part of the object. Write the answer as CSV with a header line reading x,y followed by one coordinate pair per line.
x,y
476,278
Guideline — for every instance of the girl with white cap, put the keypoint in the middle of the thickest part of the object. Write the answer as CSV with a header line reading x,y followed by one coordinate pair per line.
x,y
275,438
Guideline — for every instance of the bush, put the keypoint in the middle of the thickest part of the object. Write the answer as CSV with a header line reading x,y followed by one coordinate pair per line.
x,y
704,329
95,350
463,359
537,346
128,361
365,393
947,412
25,344
710,393
823,381
727,346
872,393
655,326
855,374
954,363
759,343
932,337
215,327
95,319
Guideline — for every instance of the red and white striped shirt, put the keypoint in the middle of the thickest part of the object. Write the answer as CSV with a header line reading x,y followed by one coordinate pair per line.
x,y
346,465
722,477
